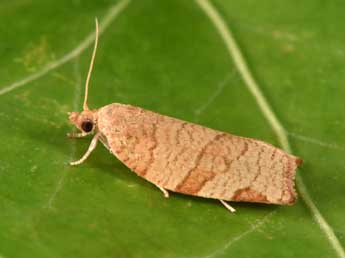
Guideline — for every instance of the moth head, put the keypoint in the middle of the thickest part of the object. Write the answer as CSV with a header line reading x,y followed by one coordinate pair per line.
x,y
85,121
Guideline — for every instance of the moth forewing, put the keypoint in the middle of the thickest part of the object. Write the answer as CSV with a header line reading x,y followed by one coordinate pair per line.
x,y
192,159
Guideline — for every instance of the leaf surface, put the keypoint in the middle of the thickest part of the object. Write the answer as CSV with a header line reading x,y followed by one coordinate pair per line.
x,y
168,57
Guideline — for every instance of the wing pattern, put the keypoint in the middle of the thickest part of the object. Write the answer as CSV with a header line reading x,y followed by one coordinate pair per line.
x,y
195,160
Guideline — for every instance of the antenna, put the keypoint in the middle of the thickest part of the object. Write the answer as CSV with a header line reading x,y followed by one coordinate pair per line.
x,y
85,107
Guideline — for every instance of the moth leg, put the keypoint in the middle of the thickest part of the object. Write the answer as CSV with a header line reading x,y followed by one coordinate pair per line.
x,y
165,192
77,135
92,146
227,206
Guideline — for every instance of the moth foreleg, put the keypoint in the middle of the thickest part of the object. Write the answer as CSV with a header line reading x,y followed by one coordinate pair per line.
x,y
227,206
78,135
92,146
165,192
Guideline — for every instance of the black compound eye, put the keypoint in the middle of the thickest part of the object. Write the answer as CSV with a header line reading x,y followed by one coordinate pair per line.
x,y
87,126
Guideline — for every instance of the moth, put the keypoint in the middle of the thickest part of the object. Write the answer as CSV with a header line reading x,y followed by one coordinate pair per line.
x,y
187,158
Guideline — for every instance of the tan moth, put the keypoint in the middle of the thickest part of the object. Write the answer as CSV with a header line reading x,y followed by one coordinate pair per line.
x,y
187,158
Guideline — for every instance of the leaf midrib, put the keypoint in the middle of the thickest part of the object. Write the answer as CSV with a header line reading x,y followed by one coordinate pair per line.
x,y
253,87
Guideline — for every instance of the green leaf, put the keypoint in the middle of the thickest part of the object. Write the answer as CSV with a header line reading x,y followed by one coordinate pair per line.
x,y
170,57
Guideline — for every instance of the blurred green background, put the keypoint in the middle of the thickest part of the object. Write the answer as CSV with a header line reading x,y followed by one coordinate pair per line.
x,y
168,57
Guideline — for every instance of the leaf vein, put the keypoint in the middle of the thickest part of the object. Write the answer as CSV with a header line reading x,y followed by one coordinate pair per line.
x,y
253,228
113,12
76,102
218,91
235,52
